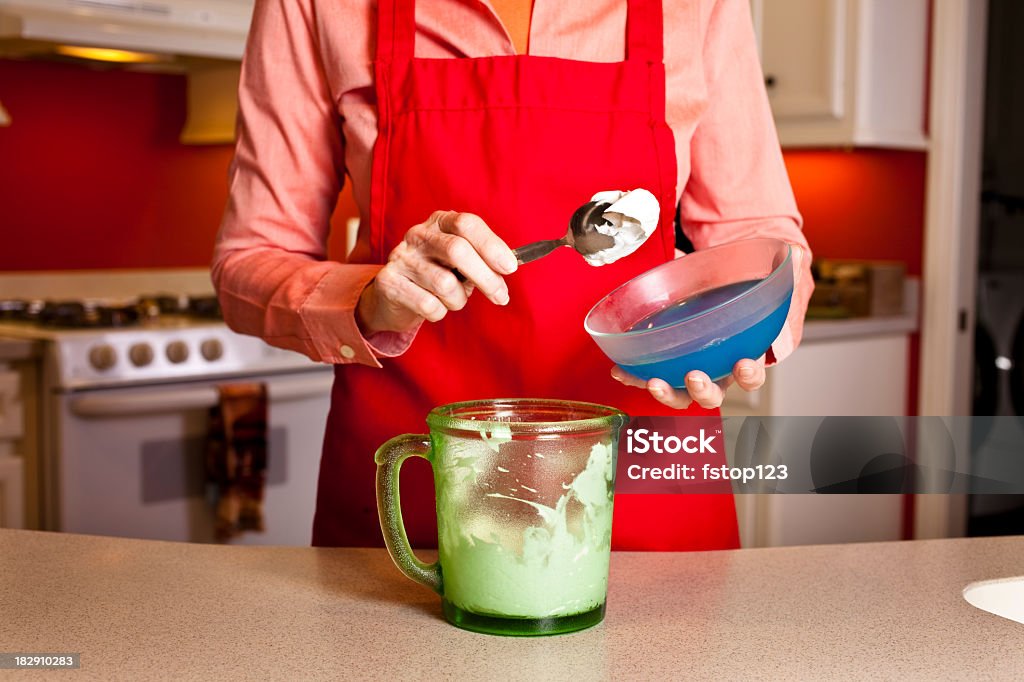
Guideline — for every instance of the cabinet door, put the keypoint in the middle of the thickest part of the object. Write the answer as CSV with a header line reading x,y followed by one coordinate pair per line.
x,y
863,376
803,53
12,485
845,72
12,413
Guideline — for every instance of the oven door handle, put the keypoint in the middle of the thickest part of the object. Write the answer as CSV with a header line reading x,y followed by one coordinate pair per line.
x,y
177,399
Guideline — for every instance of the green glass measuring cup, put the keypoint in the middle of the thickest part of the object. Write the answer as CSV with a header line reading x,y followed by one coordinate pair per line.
x,y
524,492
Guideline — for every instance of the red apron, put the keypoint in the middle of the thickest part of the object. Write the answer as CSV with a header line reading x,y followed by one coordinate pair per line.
x,y
520,141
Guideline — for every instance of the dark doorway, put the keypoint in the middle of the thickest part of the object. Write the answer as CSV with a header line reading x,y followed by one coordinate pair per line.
x,y
998,361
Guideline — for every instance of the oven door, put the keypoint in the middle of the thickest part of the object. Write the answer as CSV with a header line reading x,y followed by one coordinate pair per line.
x,y
130,461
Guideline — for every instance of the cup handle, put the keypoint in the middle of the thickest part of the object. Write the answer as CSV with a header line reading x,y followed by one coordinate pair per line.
x,y
389,460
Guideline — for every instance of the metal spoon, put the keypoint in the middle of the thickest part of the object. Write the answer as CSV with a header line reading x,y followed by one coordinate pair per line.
x,y
582,235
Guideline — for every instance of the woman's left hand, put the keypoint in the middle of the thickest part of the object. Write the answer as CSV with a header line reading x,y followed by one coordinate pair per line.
x,y
748,374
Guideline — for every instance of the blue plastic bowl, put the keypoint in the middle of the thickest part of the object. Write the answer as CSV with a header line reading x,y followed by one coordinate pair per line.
x,y
704,311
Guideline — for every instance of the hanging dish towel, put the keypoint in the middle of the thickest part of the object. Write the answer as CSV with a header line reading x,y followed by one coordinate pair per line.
x,y
236,458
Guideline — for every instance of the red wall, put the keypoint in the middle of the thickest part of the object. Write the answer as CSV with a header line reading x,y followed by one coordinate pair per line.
x,y
92,174
867,203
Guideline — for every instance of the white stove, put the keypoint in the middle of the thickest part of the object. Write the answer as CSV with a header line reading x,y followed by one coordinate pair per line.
x,y
168,350
125,411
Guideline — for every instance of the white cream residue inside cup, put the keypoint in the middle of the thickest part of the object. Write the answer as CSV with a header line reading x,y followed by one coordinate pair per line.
x,y
554,564
498,435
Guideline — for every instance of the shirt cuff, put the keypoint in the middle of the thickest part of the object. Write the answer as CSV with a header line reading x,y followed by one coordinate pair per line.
x,y
792,333
391,344
329,315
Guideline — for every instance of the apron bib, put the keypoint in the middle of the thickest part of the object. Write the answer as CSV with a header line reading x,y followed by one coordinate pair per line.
x,y
521,141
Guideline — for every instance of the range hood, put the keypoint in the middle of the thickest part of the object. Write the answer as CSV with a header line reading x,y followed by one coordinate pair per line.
x,y
193,28
204,39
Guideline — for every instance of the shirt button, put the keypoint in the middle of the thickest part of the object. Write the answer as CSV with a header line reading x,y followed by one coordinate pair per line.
x,y
347,352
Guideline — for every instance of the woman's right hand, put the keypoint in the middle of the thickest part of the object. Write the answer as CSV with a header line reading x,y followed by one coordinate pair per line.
x,y
417,283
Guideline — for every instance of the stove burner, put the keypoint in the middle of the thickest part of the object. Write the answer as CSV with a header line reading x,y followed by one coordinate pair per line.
x,y
204,307
163,304
62,314
99,314
78,315
19,309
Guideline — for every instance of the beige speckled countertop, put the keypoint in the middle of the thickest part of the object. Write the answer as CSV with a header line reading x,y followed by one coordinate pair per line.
x,y
141,610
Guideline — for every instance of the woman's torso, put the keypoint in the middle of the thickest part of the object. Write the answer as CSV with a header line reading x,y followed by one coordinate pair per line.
x,y
591,30
512,139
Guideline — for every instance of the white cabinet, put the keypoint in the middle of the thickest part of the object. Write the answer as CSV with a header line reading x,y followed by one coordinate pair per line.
x,y
859,376
12,468
845,72
12,485
12,412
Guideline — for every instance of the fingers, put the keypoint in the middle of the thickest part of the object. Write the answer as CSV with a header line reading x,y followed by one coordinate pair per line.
x,y
703,391
699,389
456,252
659,389
625,377
749,374
798,259
491,248
418,282
666,395
466,243
463,241
399,294
441,282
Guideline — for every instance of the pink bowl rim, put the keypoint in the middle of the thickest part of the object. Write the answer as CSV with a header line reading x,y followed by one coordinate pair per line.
x,y
776,243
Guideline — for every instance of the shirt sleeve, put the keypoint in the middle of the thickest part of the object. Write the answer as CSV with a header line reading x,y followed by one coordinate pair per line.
x,y
738,187
270,264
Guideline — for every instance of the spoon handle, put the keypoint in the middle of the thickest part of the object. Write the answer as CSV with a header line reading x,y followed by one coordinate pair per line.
x,y
535,250
528,253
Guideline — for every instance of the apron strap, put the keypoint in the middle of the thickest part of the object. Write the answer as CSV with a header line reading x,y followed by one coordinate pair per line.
x,y
644,31
396,30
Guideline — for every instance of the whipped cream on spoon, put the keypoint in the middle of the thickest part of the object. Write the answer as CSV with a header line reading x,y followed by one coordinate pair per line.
x,y
610,226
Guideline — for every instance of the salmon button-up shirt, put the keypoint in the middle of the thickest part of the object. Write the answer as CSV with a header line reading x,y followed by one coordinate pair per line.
x,y
307,119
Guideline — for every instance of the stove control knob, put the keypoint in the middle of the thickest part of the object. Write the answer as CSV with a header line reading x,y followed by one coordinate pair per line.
x,y
177,352
212,349
102,357
141,354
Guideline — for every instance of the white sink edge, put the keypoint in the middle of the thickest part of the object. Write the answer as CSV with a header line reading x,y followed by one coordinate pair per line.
x,y
1003,597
